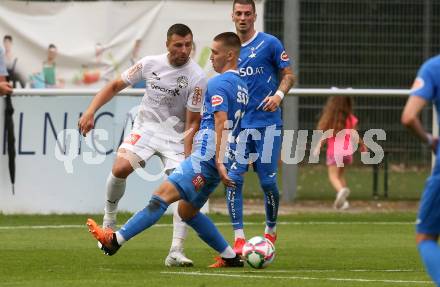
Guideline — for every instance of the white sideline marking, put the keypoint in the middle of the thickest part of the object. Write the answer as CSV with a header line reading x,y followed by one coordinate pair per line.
x,y
222,224
297,277
326,270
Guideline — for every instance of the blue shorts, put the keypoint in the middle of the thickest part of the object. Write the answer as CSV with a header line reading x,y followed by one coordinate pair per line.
x,y
268,149
428,219
197,177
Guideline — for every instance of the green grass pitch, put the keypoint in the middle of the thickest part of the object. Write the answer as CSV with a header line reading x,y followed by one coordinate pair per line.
x,y
326,249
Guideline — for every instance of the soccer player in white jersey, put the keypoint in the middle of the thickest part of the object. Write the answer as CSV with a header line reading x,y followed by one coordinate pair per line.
x,y
167,120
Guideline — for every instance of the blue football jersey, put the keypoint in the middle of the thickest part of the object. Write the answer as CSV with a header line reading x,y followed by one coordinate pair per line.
x,y
260,60
226,92
427,83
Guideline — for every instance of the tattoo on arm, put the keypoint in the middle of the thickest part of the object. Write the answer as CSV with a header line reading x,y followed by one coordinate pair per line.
x,y
287,80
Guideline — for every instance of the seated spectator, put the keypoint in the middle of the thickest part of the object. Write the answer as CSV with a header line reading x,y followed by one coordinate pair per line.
x,y
14,70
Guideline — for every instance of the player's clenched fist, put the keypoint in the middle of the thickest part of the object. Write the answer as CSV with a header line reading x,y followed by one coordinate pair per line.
x,y
86,123
5,88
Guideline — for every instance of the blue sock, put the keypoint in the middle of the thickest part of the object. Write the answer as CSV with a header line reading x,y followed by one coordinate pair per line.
x,y
208,232
144,218
271,200
430,253
234,200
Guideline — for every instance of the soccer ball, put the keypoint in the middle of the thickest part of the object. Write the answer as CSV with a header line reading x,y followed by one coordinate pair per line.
x,y
259,252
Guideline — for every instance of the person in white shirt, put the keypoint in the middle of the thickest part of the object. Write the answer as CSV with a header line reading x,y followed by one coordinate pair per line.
x,y
167,120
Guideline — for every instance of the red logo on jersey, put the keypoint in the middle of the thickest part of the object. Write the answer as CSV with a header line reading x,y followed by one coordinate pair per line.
x,y
418,84
197,96
198,181
216,100
132,139
284,56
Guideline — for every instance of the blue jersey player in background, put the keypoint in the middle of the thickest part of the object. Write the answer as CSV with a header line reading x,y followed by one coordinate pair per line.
x,y
197,177
264,65
426,89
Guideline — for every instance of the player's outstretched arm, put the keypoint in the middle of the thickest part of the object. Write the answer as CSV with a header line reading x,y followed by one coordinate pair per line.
x,y
86,122
222,132
410,119
192,125
287,81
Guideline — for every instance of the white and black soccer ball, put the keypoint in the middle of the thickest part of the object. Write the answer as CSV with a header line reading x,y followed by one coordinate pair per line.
x,y
259,252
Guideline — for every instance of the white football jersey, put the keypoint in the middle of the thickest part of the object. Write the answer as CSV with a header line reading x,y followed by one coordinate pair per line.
x,y
169,92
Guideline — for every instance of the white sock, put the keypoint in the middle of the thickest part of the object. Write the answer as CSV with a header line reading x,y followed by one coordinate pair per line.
x,y
180,231
119,238
228,253
115,191
270,230
239,233
342,189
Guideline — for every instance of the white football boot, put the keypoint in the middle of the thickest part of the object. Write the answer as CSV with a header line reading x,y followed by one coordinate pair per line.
x,y
176,258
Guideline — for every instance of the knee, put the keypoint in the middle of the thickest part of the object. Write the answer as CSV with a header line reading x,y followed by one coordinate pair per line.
x,y
186,211
269,184
236,177
121,170
156,203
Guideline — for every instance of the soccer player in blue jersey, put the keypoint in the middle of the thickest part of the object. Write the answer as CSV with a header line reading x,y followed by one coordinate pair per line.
x,y
265,67
426,89
198,175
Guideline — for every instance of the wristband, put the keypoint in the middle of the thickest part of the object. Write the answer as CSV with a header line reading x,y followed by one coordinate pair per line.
x,y
280,94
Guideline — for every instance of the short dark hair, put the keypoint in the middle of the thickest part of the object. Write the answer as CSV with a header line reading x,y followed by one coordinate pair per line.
x,y
52,46
229,39
179,29
244,2
7,37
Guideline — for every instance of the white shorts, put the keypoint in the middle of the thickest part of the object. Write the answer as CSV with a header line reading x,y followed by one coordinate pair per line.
x,y
145,146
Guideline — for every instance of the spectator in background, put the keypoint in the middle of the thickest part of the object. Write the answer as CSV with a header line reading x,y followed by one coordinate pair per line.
x,y
337,116
14,71
5,87
49,69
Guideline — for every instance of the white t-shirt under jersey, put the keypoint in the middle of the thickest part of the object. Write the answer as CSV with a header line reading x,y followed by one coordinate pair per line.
x,y
169,92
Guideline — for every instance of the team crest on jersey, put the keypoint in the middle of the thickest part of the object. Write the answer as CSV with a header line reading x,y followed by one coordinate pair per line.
x,y
182,82
216,100
197,97
132,139
418,84
284,56
252,54
198,181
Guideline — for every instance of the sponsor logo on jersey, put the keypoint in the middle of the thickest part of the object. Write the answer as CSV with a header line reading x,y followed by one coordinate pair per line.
x,y
284,57
251,71
155,76
182,82
197,96
216,100
418,84
172,92
132,139
198,181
